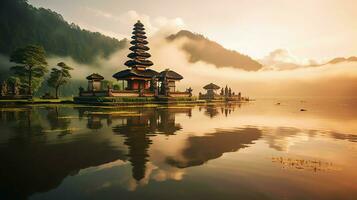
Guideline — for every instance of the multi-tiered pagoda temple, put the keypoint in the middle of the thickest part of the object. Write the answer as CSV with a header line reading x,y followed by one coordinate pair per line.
x,y
138,76
140,81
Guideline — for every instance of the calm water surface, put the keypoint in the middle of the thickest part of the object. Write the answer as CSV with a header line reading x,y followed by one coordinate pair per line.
x,y
257,150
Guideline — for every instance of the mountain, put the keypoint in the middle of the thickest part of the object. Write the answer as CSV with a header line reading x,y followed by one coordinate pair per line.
x,y
22,24
342,59
201,48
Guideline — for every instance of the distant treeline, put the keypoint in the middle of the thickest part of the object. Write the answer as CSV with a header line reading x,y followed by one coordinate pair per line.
x,y
22,24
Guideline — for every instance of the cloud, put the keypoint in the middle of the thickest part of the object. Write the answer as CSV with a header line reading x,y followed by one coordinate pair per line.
x,y
127,19
152,25
106,32
101,13
282,59
5,65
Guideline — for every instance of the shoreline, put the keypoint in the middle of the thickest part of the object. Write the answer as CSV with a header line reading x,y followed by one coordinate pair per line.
x,y
115,103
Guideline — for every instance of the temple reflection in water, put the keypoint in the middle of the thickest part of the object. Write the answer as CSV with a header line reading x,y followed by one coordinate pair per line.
x,y
137,131
223,109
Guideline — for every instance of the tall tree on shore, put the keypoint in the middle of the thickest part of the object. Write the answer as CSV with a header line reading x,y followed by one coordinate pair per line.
x,y
59,77
32,66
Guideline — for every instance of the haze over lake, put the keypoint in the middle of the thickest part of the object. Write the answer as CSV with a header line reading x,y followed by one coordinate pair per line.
x,y
255,150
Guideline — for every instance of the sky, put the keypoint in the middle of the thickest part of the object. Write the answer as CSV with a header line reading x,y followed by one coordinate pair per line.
x,y
309,29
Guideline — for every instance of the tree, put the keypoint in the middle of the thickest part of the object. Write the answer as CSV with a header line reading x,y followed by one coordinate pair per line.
x,y
59,77
32,66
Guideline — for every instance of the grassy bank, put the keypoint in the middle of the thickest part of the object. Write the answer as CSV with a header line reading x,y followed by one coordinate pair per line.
x,y
37,101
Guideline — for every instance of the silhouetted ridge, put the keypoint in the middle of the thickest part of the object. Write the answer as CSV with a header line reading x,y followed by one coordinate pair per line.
x,y
201,48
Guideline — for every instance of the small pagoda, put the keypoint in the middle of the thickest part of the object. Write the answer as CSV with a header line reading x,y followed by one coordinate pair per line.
x,y
95,82
137,76
226,93
210,91
168,79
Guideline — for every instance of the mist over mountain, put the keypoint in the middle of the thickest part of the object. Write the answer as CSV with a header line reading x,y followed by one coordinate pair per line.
x,y
200,48
342,59
22,24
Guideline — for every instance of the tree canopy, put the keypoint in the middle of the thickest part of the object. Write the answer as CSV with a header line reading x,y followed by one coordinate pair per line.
x,y
59,77
31,66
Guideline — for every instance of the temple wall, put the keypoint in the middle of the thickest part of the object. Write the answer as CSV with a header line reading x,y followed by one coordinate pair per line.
x,y
124,94
94,85
97,85
149,94
116,94
136,84
180,94
95,93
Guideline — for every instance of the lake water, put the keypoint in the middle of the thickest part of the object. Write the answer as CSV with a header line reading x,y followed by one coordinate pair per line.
x,y
256,150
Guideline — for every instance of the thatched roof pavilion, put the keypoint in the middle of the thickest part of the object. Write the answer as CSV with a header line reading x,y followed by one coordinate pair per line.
x,y
211,86
95,82
169,74
95,76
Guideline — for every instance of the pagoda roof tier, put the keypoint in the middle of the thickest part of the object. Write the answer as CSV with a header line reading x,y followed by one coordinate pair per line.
x,y
95,76
138,37
139,47
211,86
139,24
130,73
169,74
136,62
139,41
136,54
138,28
136,32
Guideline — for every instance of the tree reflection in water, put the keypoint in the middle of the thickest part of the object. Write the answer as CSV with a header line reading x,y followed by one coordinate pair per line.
x,y
58,120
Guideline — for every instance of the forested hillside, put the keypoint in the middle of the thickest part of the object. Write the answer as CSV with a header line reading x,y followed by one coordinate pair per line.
x,y
22,24
201,48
